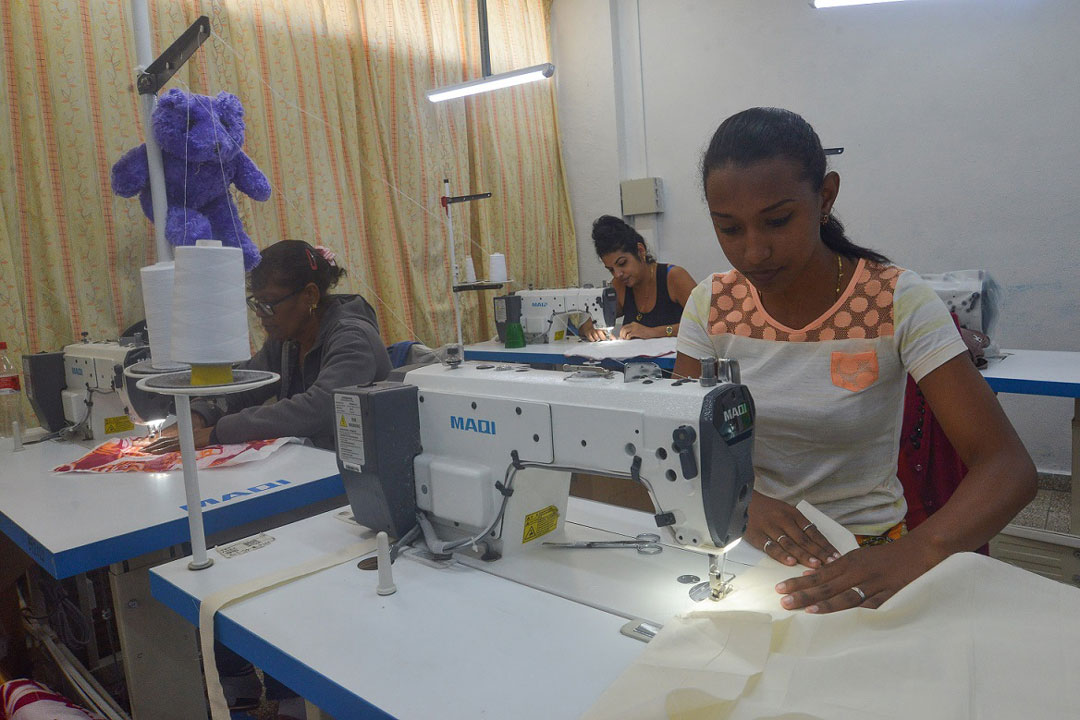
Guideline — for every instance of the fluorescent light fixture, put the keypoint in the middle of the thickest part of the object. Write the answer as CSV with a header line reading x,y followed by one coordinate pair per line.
x,y
845,3
492,82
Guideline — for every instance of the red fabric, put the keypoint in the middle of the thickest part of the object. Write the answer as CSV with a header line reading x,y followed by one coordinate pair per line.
x,y
929,467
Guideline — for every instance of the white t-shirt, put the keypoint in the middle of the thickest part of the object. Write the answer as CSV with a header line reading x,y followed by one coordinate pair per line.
x,y
829,397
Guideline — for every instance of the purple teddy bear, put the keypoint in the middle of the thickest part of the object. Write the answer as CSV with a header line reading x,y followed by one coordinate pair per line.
x,y
201,139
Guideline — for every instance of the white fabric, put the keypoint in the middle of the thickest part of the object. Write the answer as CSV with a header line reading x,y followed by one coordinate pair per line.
x,y
972,638
624,349
815,437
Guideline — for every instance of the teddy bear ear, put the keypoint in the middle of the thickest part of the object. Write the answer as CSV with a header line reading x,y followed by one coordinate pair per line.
x,y
228,108
174,98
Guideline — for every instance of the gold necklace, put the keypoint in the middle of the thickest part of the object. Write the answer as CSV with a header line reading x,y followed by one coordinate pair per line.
x,y
839,274
639,313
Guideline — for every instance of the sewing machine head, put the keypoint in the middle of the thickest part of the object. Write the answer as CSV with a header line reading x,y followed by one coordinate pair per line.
x,y
85,391
481,454
544,313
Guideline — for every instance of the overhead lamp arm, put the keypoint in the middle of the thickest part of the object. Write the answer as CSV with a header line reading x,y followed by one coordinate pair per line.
x,y
165,66
485,51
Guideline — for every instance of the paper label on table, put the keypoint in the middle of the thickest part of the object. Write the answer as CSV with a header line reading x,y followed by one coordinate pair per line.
x,y
118,424
243,547
540,523
350,431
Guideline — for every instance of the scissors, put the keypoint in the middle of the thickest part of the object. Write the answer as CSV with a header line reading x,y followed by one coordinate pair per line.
x,y
645,543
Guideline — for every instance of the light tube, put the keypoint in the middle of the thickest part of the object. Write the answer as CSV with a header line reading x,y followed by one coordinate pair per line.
x,y
845,3
492,82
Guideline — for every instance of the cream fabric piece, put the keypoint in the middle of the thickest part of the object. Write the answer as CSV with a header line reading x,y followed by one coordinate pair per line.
x,y
972,638
219,707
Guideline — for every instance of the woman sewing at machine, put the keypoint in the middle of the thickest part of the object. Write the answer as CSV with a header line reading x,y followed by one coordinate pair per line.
x,y
650,295
825,333
315,341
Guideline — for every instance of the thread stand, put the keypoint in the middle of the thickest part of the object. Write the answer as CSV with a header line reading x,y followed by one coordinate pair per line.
x,y
178,384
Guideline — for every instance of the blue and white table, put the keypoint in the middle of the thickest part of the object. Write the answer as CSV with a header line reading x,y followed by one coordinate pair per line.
x,y
76,522
1044,372
471,640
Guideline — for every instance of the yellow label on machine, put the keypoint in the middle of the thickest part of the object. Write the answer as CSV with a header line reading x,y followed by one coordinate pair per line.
x,y
540,523
118,424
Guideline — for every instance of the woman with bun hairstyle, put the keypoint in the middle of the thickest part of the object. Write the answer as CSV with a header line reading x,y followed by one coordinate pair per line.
x,y
651,295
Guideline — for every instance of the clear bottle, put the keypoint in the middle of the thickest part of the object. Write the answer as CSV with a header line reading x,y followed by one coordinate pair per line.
x,y
10,394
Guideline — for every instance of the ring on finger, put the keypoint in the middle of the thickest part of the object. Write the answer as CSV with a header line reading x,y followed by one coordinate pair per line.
x,y
765,547
808,527
860,593
780,538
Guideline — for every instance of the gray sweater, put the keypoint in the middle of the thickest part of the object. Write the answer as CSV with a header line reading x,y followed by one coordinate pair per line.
x,y
347,351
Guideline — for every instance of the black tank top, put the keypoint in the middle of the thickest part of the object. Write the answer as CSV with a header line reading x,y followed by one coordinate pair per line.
x,y
664,312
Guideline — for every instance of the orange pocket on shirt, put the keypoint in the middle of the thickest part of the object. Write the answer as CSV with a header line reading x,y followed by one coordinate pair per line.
x,y
854,371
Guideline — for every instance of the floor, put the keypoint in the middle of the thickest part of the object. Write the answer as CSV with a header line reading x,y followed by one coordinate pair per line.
x,y
1051,508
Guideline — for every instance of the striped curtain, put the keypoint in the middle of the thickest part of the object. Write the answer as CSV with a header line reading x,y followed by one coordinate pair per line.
x,y
336,118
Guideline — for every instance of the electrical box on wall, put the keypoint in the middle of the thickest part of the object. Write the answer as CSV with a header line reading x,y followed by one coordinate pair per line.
x,y
642,196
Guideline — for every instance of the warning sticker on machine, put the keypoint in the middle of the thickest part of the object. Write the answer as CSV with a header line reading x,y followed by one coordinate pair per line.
x,y
350,431
118,424
540,523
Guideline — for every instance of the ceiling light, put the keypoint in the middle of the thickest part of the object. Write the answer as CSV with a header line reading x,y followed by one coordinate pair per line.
x,y
492,82
845,3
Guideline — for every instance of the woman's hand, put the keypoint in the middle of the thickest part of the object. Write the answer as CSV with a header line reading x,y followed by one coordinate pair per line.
x,y
866,577
637,330
168,440
588,331
784,534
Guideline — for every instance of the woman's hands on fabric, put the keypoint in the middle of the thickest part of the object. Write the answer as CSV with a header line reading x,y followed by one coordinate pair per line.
x,y
865,577
637,330
168,440
784,534
588,331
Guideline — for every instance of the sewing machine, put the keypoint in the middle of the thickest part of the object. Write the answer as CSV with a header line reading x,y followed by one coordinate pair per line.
x,y
544,313
84,392
481,456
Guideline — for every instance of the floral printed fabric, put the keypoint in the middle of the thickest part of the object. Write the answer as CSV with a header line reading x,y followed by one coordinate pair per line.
x,y
126,455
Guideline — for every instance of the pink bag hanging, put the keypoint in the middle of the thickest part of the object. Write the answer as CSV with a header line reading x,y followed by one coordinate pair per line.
x,y
27,700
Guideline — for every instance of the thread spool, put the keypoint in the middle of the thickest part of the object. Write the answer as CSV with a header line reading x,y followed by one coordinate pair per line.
x,y
209,318
497,268
470,270
157,291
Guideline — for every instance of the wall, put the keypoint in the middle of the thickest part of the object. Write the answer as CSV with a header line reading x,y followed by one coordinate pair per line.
x,y
958,119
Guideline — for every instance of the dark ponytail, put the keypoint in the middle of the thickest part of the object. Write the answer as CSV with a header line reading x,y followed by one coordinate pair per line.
x,y
611,234
293,264
765,133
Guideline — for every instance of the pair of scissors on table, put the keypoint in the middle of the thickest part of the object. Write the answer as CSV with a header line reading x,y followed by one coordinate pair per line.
x,y
645,543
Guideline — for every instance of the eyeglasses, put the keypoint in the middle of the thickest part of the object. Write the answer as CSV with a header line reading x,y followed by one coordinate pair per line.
x,y
267,308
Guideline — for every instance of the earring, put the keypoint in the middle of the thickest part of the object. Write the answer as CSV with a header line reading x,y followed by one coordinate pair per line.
x,y
311,310
824,218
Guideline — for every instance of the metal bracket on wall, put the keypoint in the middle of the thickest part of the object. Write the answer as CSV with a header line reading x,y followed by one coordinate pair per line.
x,y
165,66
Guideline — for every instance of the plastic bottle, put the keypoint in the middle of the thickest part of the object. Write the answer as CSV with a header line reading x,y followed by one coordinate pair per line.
x,y
10,394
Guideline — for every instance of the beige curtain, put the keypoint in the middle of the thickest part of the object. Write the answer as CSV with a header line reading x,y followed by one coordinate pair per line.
x,y
336,118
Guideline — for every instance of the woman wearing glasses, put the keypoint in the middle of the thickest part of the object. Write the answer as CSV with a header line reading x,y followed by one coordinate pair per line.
x,y
316,341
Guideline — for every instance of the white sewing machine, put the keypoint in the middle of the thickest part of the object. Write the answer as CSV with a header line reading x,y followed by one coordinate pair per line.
x,y
544,313
82,391
481,456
